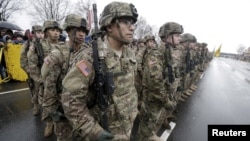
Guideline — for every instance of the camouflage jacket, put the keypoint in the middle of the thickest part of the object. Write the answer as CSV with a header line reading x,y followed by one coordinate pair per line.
x,y
139,56
35,70
54,70
24,57
77,89
153,80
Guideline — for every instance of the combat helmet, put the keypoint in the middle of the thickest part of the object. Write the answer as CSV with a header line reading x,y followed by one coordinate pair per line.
x,y
74,20
149,37
134,40
51,24
141,40
36,28
116,10
203,45
169,28
188,37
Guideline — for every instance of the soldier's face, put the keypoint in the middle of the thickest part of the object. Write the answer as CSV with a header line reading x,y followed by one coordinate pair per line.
x,y
174,39
53,33
80,35
124,30
39,34
192,45
150,43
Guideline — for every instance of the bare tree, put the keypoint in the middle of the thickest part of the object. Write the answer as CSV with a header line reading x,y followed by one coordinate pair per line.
x,y
82,7
240,49
42,10
143,28
8,7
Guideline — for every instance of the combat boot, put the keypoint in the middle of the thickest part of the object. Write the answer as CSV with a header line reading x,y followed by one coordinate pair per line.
x,y
190,91
48,131
184,96
194,86
36,110
187,93
172,118
166,124
181,99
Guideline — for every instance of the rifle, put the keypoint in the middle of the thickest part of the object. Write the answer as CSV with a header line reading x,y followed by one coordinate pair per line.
x,y
170,73
39,51
103,82
169,67
31,85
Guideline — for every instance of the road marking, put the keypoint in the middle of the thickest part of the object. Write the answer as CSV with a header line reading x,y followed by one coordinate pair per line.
x,y
167,133
201,75
24,89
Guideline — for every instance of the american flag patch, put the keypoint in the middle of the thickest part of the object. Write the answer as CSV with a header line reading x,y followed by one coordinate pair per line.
x,y
82,66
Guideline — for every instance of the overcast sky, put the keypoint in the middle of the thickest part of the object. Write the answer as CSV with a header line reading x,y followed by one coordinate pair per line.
x,y
216,22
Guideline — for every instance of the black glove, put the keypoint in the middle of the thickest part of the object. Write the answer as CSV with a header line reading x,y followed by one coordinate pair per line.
x,y
105,136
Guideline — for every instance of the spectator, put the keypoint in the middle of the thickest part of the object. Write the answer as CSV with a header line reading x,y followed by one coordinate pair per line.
x,y
18,38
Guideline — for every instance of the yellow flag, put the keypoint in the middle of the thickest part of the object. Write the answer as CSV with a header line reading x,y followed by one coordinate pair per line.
x,y
217,52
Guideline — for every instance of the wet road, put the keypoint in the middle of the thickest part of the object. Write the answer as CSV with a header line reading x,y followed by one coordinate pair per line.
x,y
16,120
222,97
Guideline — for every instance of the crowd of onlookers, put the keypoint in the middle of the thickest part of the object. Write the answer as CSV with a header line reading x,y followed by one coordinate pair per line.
x,y
10,36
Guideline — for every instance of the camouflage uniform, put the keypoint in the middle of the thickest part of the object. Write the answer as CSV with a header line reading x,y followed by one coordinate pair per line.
x,y
123,109
139,60
34,87
202,57
35,64
134,45
53,71
172,61
188,62
154,94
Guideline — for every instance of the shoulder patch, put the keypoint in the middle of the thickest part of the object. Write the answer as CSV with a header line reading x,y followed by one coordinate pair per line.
x,y
84,68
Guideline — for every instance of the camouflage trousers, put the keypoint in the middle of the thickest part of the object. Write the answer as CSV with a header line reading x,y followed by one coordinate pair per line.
x,y
185,81
172,90
35,94
194,76
40,94
151,119
197,74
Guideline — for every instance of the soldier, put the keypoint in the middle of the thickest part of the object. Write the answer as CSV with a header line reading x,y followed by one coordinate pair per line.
x,y
154,94
79,100
170,37
34,87
202,57
134,45
36,54
139,60
188,41
54,69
